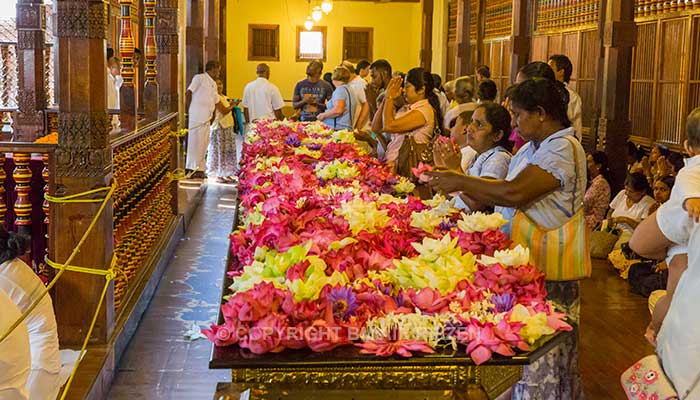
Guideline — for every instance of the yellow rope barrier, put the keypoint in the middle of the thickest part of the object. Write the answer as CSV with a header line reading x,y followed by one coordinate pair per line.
x,y
68,199
108,273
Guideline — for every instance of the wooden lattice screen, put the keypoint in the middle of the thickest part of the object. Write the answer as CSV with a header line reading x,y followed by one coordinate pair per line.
x,y
665,71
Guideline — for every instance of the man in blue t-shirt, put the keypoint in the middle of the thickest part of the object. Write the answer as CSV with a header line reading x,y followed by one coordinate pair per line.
x,y
311,94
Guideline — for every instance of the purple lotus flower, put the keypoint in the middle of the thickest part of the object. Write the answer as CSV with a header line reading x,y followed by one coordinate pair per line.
x,y
314,146
503,302
447,225
343,301
293,140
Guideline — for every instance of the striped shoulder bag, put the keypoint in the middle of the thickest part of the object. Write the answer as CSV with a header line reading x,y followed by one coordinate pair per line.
x,y
562,253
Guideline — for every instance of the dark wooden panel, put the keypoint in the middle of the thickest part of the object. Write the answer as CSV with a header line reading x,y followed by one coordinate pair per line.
x,y
641,108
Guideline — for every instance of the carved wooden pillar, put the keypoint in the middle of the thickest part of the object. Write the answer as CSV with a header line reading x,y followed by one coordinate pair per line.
x,y
194,39
31,94
426,38
614,124
150,95
166,54
127,93
211,30
23,204
83,162
464,65
3,176
520,43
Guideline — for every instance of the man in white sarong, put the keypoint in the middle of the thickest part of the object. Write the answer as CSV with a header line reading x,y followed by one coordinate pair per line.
x,y
201,99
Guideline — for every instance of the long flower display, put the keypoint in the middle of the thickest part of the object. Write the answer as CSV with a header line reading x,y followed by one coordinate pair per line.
x,y
332,250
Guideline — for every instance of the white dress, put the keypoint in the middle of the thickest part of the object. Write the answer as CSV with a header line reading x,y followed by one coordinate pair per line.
x,y
15,359
204,99
23,286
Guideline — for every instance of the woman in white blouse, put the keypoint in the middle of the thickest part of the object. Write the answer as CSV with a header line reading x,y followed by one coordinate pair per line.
x,y
487,133
546,179
631,206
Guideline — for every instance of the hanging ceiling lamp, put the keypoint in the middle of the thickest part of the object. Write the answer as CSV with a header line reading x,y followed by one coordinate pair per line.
x,y
327,6
309,23
316,14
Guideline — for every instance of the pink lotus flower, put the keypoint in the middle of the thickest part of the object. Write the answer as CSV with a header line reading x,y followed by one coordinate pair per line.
x,y
429,300
420,171
265,336
393,344
402,347
225,335
326,335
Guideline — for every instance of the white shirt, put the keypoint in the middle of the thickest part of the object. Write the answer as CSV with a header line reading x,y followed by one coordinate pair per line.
x,y
15,359
359,84
444,103
220,120
678,342
20,282
114,83
493,163
574,112
637,212
262,98
672,218
468,155
554,155
204,98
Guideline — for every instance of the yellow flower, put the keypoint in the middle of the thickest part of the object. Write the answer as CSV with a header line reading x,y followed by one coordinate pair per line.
x,y
428,220
509,258
362,215
480,222
303,150
404,186
336,169
535,325
439,265
344,136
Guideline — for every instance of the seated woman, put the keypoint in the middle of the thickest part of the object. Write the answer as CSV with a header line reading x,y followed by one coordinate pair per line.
x,y
417,119
662,191
23,286
343,105
487,134
597,197
15,358
630,206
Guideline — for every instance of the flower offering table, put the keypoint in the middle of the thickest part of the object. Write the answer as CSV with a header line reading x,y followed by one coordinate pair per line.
x,y
341,284
345,373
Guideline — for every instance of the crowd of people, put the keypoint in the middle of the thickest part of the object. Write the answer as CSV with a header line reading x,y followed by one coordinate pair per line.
x,y
517,152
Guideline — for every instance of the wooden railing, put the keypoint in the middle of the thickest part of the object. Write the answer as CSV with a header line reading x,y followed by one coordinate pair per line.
x,y
144,200
26,174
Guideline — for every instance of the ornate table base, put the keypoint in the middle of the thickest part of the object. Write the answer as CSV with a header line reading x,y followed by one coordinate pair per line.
x,y
374,382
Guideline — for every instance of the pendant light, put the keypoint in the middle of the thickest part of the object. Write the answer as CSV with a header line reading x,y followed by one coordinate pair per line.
x,y
316,14
327,6
308,23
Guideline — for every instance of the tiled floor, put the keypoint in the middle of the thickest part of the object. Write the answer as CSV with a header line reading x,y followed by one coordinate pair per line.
x,y
160,363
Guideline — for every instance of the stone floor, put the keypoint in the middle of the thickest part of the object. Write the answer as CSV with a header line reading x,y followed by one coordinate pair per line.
x,y
161,364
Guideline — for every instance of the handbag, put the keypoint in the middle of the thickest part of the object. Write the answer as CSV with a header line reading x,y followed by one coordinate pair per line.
x,y
646,380
411,154
562,253
602,243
